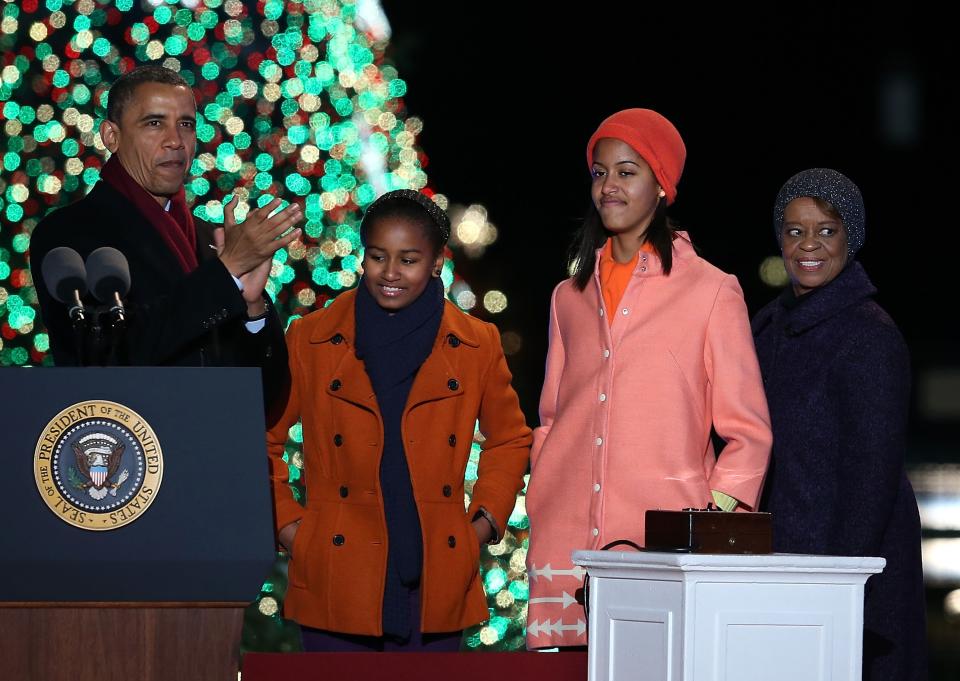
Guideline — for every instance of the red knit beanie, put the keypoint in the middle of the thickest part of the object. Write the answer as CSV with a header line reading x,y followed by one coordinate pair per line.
x,y
653,137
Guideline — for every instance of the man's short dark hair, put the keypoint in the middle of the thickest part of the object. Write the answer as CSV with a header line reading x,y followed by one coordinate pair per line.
x,y
124,88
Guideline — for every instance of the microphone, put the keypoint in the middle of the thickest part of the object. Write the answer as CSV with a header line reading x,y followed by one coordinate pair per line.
x,y
66,279
108,277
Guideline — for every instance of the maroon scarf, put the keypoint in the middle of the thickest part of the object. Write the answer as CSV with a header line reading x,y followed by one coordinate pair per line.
x,y
174,226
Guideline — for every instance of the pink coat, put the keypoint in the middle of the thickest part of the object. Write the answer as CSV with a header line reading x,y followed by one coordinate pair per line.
x,y
626,413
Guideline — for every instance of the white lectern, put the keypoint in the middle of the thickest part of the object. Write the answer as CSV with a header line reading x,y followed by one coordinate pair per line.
x,y
708,617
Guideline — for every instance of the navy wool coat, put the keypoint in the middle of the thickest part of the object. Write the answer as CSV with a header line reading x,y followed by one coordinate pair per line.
x,y
837,375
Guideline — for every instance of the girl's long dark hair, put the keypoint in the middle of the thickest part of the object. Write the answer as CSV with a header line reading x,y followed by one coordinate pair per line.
x,y
592,235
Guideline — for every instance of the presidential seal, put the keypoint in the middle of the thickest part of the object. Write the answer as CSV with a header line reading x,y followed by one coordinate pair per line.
x,y
98,465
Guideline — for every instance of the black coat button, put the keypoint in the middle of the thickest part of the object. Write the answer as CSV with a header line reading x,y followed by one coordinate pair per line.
x,y
338,540
337,339
338,439
447,490
451,541
335,384
344,492
452,440
453,340
453,384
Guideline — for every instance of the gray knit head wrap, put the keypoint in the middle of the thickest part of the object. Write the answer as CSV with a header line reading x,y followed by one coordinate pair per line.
x,y
833,187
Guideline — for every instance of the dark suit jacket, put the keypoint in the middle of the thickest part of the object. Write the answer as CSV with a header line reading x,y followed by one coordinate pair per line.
x,y
174,319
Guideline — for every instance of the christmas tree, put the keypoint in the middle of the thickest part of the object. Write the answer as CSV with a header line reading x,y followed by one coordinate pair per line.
x,y
295,99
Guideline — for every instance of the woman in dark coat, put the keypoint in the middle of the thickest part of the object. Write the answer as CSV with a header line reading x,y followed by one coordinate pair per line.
x,y
837,375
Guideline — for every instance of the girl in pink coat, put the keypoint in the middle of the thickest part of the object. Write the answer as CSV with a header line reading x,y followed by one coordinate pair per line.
x,y
650,347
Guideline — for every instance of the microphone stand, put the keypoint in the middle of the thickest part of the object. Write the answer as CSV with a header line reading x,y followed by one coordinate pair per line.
x,y
78,322
118,326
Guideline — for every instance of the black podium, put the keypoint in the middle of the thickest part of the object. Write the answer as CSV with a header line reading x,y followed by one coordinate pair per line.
x,y
138,521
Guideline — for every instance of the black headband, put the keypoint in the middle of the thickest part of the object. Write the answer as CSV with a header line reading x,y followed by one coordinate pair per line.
x,y
435,212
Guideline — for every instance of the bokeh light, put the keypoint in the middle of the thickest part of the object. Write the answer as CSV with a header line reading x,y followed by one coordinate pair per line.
x,y
471,231
773,273
494,302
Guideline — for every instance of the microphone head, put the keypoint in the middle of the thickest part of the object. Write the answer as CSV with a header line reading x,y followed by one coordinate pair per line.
x,y
108,273
63,273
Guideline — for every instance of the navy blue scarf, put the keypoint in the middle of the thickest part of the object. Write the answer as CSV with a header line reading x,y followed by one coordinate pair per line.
x,y
393,346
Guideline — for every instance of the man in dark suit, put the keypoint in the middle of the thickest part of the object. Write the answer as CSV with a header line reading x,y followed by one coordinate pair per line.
x,y
197,292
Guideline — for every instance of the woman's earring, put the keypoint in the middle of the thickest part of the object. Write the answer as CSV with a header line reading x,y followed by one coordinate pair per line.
x,y
436,272
661,193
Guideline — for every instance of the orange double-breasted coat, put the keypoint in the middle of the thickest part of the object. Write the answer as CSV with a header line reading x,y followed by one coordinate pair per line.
x,y
339,556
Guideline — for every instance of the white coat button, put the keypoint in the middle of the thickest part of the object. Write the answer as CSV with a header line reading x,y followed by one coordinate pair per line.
x,y
601,311
606,353
625,311
596,532
643,269
603,397
596,487
599,441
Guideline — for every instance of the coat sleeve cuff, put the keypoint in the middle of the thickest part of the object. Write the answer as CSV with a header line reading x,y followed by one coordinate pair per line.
x,y
494,525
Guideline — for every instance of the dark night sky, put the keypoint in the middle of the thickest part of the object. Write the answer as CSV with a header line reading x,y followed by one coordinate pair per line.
x,y
509,97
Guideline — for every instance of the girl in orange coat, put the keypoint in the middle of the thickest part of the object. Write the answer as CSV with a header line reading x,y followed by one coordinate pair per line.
x,y
650,347
389,382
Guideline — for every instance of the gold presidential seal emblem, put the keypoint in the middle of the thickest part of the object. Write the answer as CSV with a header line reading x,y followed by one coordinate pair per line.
x,y
98,465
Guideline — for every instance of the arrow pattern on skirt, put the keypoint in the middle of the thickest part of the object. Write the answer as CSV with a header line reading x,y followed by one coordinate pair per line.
x,y
565,598
536,628
549,573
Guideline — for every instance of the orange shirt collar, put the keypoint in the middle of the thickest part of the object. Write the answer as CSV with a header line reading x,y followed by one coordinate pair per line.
x,y
615,276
